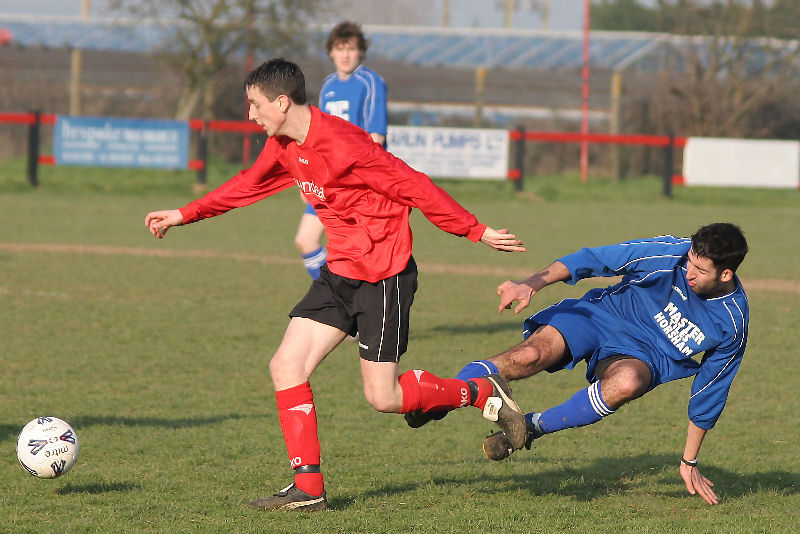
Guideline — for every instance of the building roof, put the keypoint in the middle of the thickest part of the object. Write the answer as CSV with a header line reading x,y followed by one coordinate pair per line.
x,y
456,47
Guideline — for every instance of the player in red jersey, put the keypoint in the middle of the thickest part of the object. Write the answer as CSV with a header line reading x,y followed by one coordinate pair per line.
x,y
363,195
356,94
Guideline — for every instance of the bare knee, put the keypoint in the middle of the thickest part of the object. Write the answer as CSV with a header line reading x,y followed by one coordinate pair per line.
x,y
539,352
623,383
518,362
286,372
305,244
277,370
275,365
630,386
383,401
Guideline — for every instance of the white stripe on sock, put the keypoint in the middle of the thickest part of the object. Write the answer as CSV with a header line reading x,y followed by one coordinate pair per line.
x,y
599,407
482,364
317,260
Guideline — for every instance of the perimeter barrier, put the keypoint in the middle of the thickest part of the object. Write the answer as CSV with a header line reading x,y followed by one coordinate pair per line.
x,y
34,120
669,143
518,138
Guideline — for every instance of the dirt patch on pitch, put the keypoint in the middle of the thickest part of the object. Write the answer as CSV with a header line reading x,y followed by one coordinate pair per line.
x,y
142,252
772,285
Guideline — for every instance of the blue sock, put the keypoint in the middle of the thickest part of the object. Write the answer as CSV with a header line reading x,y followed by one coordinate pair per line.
x,y
314,262
583,408
477,369
474,369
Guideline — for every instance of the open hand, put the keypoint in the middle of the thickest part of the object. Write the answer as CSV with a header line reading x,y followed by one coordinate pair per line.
x,y
510,291
502,240
158,222
698,484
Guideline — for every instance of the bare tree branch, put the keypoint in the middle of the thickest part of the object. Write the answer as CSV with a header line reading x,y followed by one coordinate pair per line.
x,y
207,34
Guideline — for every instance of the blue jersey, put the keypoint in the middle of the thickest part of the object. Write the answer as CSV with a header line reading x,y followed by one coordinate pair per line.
x,y
360,98
654,305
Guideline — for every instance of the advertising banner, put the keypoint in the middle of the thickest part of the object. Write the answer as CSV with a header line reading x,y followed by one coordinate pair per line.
x,y
452,152
741,162
121,142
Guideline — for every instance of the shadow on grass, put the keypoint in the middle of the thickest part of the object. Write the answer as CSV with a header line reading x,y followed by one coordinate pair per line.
x,y
388,491
615,475
79,422
98,487
728,484
477,328
607,476
480,328
6,431
610,475
183,422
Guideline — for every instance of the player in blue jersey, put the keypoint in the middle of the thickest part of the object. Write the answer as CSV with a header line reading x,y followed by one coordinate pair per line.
x,y
678,298
356,94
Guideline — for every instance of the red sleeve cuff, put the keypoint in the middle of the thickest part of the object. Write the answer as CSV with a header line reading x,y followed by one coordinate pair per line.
x,y
189,213
476,232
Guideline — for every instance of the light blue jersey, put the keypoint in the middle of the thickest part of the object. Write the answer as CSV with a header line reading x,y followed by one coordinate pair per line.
x,y
360,98
653,315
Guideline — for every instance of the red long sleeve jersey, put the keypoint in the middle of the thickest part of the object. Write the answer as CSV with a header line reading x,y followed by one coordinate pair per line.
x,y
362,194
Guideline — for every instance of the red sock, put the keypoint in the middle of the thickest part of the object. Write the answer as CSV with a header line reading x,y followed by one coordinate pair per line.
x,y
485,390
298,420
427,392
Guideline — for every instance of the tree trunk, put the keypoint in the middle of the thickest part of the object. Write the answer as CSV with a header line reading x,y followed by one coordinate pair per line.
x,y
187,103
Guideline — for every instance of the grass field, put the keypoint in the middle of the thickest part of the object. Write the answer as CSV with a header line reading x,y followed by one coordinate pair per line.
x,y
156,351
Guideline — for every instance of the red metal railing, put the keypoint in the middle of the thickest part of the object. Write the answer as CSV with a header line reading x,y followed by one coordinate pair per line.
x,y
515,173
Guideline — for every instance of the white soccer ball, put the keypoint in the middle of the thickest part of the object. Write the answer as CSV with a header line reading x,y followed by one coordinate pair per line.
x,y
47,447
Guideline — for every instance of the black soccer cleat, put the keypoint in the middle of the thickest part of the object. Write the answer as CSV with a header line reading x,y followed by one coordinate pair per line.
x,y
502,409
497,447
417,418
292,498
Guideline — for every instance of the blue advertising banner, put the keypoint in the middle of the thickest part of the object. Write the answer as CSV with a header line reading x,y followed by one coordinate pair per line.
x,y
121,142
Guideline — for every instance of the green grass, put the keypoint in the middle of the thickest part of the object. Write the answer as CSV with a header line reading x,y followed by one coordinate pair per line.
x,y
156,351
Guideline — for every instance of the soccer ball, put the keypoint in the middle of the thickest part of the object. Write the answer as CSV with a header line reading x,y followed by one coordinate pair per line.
x,y
47,447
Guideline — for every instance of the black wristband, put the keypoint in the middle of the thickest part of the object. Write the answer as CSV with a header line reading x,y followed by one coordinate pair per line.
x,y
690,463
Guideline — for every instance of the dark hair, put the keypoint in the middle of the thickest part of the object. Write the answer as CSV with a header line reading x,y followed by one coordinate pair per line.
x,y
276,77
722,243
343,32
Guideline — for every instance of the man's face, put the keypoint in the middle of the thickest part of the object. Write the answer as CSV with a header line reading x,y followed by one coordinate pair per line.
x,y
346,56
267,114
704,278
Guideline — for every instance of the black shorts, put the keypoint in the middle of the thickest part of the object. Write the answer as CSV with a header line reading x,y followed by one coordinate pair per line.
x,y
378,311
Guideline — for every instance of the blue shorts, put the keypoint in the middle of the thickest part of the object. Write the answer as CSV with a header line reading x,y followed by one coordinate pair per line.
x,y
310,210
592,334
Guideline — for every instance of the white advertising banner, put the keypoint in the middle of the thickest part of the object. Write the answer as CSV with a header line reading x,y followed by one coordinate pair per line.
x,y
452,152
741,162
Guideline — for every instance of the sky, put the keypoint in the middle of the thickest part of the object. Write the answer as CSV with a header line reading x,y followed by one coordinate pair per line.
x,y
564,14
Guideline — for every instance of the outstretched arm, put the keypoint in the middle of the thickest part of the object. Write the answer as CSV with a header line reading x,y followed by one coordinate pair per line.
x,y
524,290
158,222
695,482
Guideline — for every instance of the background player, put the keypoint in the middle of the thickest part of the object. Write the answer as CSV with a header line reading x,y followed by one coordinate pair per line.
x,y
678,298
356,94
363,195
